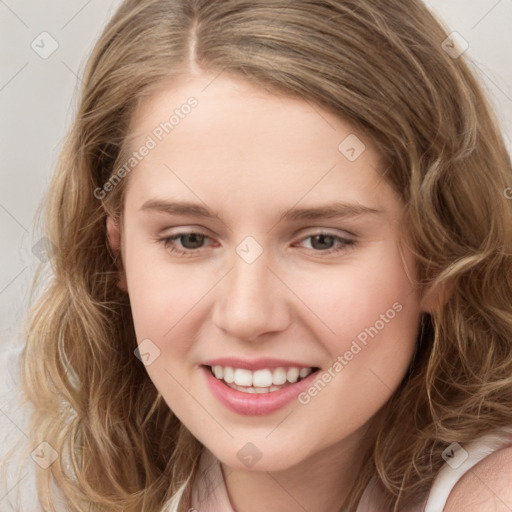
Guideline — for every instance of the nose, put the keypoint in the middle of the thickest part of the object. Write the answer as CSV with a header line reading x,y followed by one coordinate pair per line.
x,y
251,301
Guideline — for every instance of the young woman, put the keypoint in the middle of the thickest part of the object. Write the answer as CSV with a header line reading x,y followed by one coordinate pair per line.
x,y
282,269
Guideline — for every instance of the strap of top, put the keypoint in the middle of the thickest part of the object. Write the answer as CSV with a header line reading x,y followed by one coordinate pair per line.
x,y
459,461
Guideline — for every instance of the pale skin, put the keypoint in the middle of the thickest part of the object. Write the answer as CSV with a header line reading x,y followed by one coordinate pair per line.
x,y
486,487
249,155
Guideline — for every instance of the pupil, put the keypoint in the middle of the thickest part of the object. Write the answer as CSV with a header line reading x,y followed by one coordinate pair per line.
x,y
325,241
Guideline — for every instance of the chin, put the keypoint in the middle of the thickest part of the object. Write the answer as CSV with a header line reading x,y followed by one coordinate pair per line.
x,y
250,457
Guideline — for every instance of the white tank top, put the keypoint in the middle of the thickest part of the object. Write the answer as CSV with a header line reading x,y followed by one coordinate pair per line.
x,y
468,456
459,460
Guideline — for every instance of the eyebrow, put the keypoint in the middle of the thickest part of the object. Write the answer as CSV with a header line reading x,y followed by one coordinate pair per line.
x,y
328,211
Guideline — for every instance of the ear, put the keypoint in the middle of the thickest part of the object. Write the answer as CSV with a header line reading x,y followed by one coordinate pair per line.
x,y
114,240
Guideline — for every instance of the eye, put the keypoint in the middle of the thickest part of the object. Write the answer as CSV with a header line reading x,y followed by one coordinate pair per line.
x,y
184,243
328,243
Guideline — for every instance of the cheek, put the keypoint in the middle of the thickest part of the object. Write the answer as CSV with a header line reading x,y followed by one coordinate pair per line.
x,y
374,312
363,298
161,293
164,301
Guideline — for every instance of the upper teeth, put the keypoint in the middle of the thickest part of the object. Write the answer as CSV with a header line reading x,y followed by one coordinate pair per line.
x,y
260,378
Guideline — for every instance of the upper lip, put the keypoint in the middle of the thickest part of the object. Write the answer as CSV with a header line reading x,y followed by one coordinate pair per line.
x,y
255,364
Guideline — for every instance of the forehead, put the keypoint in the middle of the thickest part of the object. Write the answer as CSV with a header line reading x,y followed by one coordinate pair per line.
x,y
223,137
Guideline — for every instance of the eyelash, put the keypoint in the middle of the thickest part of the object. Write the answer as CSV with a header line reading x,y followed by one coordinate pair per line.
x,y
168,243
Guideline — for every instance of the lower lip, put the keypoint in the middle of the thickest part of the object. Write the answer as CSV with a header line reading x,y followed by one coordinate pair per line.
x,y
255,404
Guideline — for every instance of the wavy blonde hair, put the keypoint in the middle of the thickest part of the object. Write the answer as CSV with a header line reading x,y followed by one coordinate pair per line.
x,y
380,65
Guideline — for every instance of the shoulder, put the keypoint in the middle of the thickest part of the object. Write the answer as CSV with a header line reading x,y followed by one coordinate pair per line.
x,y
486,487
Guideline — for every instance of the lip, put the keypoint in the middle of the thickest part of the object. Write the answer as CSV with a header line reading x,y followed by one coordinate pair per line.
x,y
255,404
256,364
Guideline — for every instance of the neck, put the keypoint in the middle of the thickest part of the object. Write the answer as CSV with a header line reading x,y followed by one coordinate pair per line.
x,y
321,482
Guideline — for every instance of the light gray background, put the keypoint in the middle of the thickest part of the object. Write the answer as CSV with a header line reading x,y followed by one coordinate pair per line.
x,y
37,104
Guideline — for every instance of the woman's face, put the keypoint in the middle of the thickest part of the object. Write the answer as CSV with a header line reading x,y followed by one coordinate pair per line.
x,y
258,235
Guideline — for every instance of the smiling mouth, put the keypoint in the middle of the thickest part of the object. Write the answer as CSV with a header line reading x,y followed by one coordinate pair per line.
x,y
265,380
